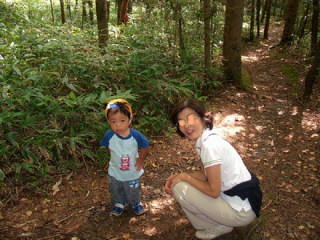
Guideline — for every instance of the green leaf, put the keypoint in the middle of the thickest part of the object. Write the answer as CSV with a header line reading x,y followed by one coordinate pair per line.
x,y
72,96
28,155
2,175
72,87
17,70
11,137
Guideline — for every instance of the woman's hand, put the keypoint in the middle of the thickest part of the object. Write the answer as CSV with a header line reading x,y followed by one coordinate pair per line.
x,y
172,181
168,186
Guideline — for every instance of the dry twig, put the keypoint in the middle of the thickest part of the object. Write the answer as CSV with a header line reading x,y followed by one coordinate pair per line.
x,y
267,205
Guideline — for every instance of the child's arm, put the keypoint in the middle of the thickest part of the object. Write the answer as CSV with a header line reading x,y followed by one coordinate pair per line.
x,y
142,155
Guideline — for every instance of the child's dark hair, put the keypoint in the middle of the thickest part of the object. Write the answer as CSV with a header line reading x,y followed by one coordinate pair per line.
x,y
122,107
197,106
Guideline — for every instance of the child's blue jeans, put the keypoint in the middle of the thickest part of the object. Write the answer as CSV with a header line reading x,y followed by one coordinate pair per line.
x,y
127,192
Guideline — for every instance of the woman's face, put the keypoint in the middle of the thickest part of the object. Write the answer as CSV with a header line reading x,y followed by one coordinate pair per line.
x,y
190,123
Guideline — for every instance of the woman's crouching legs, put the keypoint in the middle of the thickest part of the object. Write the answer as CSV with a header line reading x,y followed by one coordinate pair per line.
x,y
205,212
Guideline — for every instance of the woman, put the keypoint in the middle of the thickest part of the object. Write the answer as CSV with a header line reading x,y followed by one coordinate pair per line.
x,y
224,194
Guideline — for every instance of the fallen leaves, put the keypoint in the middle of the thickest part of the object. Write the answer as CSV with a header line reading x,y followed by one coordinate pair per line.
x,y
29,213
55,187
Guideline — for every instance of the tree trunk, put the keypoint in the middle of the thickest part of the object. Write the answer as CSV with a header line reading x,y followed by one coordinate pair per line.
x,y
84,10
90,11
119,4
63,14
123,13
264,10
252,20
274,7
207,31
52,11
130,7
232,41
290,18
266,26
282,7
69,8
181,43
315,24
303,21
102,10
311,75
258,17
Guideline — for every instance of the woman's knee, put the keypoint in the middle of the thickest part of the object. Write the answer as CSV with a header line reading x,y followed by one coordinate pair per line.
x,y
180,190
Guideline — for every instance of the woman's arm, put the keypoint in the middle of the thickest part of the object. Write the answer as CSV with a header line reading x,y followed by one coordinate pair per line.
x,y
210,186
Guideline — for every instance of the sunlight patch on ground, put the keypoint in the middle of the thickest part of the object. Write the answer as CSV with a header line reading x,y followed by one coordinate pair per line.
x,y
259,128
252,58
295,111
229,125
280,112
310,121
289,138
159,205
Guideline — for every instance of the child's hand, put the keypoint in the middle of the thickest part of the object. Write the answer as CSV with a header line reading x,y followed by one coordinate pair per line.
x,y
139,163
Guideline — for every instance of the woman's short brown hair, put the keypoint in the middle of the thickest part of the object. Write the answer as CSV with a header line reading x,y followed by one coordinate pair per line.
x,y
197,106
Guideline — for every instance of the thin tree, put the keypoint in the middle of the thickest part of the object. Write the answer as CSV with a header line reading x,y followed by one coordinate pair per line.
x,y
130,5
266,26
314,27
264,10
102,10
282,7
232,41
289,19
52,11
63,14
69,8
311,75
252,20
274,7
84,13
303,21
181,42
207,31
258,17
119,4
90,11
123,18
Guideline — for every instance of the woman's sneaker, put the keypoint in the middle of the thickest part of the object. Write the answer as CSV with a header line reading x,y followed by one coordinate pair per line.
x,y
138,209
117,209
213,233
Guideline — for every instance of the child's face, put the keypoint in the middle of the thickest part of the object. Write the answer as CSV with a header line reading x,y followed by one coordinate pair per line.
x,y
119,123
190,124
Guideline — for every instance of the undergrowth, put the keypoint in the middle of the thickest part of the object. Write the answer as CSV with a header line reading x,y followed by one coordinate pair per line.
x,y
55,83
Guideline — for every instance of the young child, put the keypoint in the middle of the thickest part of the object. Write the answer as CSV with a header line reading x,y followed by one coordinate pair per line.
x,y
126,163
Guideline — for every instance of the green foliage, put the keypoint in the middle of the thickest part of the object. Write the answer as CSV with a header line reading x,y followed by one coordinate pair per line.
x,y
55,83
292,76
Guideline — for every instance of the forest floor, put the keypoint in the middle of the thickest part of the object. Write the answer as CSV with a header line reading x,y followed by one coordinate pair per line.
x,y
276,134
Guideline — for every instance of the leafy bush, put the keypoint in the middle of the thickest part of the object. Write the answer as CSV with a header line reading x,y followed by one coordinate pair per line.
x,y
55,84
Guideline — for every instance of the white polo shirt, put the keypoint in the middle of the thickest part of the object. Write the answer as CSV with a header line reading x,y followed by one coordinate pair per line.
x,y
212,150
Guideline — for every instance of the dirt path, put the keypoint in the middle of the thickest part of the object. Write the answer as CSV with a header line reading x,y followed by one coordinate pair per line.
x,y
276,136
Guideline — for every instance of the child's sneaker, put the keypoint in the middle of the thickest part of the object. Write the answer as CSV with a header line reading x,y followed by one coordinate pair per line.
x,y
138,209
117,209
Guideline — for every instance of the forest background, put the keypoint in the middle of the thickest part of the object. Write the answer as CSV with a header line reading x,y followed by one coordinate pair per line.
x,y
59,69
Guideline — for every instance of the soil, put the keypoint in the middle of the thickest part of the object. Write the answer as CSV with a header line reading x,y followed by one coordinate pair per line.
x,y
276,134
